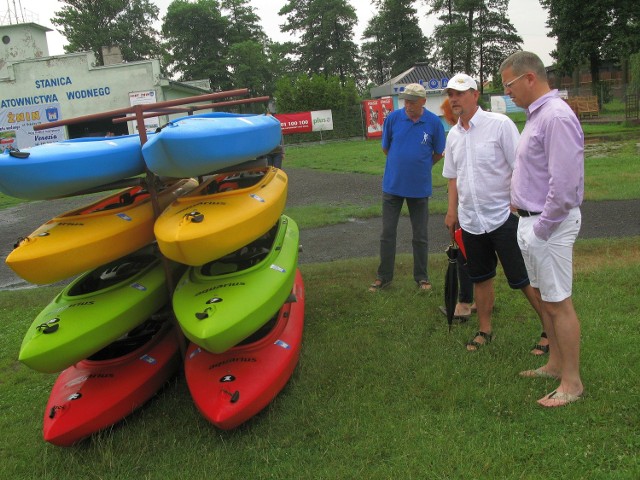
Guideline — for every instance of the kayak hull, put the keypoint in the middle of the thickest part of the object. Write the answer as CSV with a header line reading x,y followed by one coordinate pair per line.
x,y
230,388
64,168
201,227
94,394
95,309
93,235
201,144
221,303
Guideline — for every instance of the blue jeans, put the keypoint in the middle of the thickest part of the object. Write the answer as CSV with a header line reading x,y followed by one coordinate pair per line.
x,y
419,216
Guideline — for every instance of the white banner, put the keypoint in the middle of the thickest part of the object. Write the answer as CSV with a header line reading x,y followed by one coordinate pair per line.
x,y
145,98
321,120
16,126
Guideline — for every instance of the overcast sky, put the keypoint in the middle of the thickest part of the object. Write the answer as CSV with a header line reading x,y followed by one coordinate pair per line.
x,y
527,16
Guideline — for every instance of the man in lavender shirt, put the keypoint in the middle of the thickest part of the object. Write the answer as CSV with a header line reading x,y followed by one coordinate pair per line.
x,y
547,188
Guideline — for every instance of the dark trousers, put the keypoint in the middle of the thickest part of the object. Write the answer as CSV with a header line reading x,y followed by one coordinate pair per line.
x,y
419,216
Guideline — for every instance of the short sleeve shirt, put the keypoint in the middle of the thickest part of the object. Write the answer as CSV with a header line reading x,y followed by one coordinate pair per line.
x,y
410,147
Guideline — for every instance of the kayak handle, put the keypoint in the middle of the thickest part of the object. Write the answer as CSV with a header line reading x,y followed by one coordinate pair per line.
x,y
49,327
195,216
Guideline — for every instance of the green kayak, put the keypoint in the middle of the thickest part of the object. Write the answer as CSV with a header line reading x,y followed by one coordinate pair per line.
x,y
95,309
221,303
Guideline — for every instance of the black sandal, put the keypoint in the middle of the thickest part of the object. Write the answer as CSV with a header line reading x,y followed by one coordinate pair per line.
x,y
477,345
543,348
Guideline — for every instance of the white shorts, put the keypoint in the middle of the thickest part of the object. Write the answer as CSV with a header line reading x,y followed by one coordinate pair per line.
x,y
550,263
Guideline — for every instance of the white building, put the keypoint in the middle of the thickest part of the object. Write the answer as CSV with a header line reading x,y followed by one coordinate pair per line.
x,y
432,79
37,88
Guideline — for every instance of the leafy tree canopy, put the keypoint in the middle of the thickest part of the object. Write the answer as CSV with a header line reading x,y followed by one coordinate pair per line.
x,y
474,36
315,92
394,41
326,44
89,25
195,42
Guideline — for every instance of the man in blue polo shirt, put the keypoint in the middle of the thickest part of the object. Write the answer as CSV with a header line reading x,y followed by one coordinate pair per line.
x,y
413,140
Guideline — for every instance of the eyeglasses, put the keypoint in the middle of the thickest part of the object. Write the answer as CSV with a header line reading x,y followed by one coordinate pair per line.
x,y
508,84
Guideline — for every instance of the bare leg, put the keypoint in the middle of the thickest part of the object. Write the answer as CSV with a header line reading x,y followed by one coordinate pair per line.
x,y
554,362
566,334
485,298
534,300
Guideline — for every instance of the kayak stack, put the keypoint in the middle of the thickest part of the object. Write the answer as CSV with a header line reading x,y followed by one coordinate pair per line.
x,y
211,261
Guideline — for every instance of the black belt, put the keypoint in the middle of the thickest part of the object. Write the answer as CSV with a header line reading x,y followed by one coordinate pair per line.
x,y
527,213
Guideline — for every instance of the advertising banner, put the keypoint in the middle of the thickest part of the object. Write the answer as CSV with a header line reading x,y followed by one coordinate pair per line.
x,y
375,112
504,104
145,98
16,126
305,122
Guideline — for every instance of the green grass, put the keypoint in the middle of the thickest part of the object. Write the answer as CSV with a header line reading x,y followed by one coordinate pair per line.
x,y
612,171
381,391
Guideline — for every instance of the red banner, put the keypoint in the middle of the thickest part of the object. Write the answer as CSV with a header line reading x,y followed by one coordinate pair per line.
x,y
295,122
305,122
375,112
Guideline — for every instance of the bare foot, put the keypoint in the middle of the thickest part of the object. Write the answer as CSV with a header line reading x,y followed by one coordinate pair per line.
x,y
462,310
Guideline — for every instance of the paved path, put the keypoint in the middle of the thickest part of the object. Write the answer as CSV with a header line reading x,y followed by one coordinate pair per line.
x,y
358,238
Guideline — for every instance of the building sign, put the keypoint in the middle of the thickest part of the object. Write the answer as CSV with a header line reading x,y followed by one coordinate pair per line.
x,y
375,113
428,84
145,98
16,126
305,122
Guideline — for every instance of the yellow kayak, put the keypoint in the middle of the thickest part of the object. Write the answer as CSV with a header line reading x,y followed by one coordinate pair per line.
x,y
92,235
226,212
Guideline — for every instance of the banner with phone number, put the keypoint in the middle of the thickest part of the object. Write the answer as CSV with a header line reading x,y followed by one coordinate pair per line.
x,y
305,122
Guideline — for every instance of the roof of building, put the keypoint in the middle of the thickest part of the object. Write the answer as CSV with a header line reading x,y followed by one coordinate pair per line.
x,y
433,79
419,72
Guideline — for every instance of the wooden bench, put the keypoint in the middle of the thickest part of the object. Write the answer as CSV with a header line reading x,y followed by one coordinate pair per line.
x,y
584,106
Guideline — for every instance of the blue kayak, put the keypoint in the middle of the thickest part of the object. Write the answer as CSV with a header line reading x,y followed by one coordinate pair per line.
x,y
201,144
64,168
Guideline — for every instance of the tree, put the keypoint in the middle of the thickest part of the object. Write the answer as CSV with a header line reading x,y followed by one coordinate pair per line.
x,y
195,42
474,36
244,23
625,34
396,40
249,67
89,25
326,44
376,53
582,31
315,92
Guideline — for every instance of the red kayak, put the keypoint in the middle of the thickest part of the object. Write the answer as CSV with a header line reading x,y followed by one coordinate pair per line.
x,y
103,389
231,387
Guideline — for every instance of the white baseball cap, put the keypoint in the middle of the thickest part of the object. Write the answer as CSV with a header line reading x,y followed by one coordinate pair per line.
x,y
461,82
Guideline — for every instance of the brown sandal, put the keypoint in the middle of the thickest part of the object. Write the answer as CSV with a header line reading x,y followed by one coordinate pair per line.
x,y
378,285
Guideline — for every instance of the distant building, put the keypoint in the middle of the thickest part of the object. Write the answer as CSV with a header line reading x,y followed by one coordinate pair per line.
x,y
37,88
434,81
580,83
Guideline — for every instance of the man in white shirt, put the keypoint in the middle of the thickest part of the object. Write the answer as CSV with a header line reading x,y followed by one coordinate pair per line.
x,y
479,159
